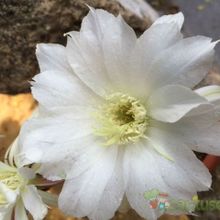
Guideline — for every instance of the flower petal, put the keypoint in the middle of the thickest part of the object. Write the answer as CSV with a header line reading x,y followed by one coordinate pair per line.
x,y
84,50
55,88
48,198
5,167
118,42
9,195
177,18
72,162
35,147
211,93
6,212
145,170
52,57
185,63
81,195
139,179
200,133
113,193
148,50
59,155
20,212
99,52
33,203
26,173
206,141
184,160
172,102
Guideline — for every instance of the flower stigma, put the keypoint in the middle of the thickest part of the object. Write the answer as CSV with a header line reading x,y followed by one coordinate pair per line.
x,y
122,119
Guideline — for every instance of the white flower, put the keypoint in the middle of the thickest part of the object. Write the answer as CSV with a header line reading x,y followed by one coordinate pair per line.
x,y
17,194
118,115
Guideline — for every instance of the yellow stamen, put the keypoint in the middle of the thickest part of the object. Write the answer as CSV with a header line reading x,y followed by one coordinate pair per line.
x,y
12,180
122,119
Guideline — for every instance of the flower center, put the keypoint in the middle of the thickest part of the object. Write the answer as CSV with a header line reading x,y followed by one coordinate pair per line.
x,y
12,180
122,119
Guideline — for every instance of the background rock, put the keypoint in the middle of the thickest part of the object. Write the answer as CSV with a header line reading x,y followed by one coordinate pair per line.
x,y
25,23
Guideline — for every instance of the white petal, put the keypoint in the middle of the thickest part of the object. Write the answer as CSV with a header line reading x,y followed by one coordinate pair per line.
x,y
33,203
184,160
99,53
61,132
206,141
81,195
55,88
11,152
113,193
26,173
6,212
20,212
166,19
145,169
59,152
185,63
77,157
146,51
148,46
84,50
9,195
5,167
139,179
118,43
172,102
211,93
200,133
48,198
52,57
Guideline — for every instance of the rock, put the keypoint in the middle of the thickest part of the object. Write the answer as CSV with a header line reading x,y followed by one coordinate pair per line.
x,y
25,23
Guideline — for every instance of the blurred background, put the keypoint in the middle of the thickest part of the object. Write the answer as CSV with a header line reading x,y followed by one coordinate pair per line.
x,y
25,23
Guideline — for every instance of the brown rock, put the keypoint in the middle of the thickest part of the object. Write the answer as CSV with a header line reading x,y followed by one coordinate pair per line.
x,y
25,23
